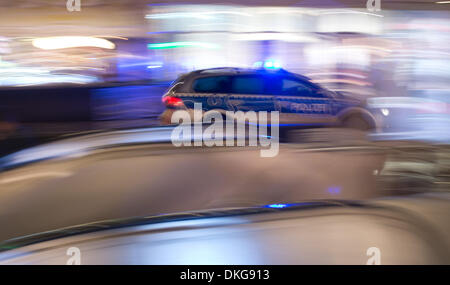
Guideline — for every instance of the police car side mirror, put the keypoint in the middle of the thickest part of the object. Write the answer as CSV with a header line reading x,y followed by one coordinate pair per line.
x,y
308,92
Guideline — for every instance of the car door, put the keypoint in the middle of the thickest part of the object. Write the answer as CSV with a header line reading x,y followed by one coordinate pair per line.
x,y
248,93
210,91
300,102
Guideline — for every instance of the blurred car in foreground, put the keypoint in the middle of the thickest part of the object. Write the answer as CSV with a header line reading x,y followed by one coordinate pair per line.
x,y
299,101
131,197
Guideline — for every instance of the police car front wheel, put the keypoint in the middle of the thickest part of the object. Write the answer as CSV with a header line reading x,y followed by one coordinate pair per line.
x,y
356,122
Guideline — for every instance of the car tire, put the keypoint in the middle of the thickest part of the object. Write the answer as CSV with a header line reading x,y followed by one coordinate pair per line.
x,y
356,123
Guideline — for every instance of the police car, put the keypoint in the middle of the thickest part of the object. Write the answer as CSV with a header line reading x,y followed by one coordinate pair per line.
x,y
299,101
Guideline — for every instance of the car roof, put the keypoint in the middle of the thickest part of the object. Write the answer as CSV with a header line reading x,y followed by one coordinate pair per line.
x,y
242,71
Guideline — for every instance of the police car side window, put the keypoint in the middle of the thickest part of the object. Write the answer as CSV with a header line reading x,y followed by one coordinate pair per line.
x,y
247,84
212,84
295,88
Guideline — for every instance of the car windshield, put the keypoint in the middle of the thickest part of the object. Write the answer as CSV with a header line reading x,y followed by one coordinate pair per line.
x,y
220,110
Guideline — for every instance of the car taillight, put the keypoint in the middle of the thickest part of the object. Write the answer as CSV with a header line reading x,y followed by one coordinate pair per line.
x,y
172,101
